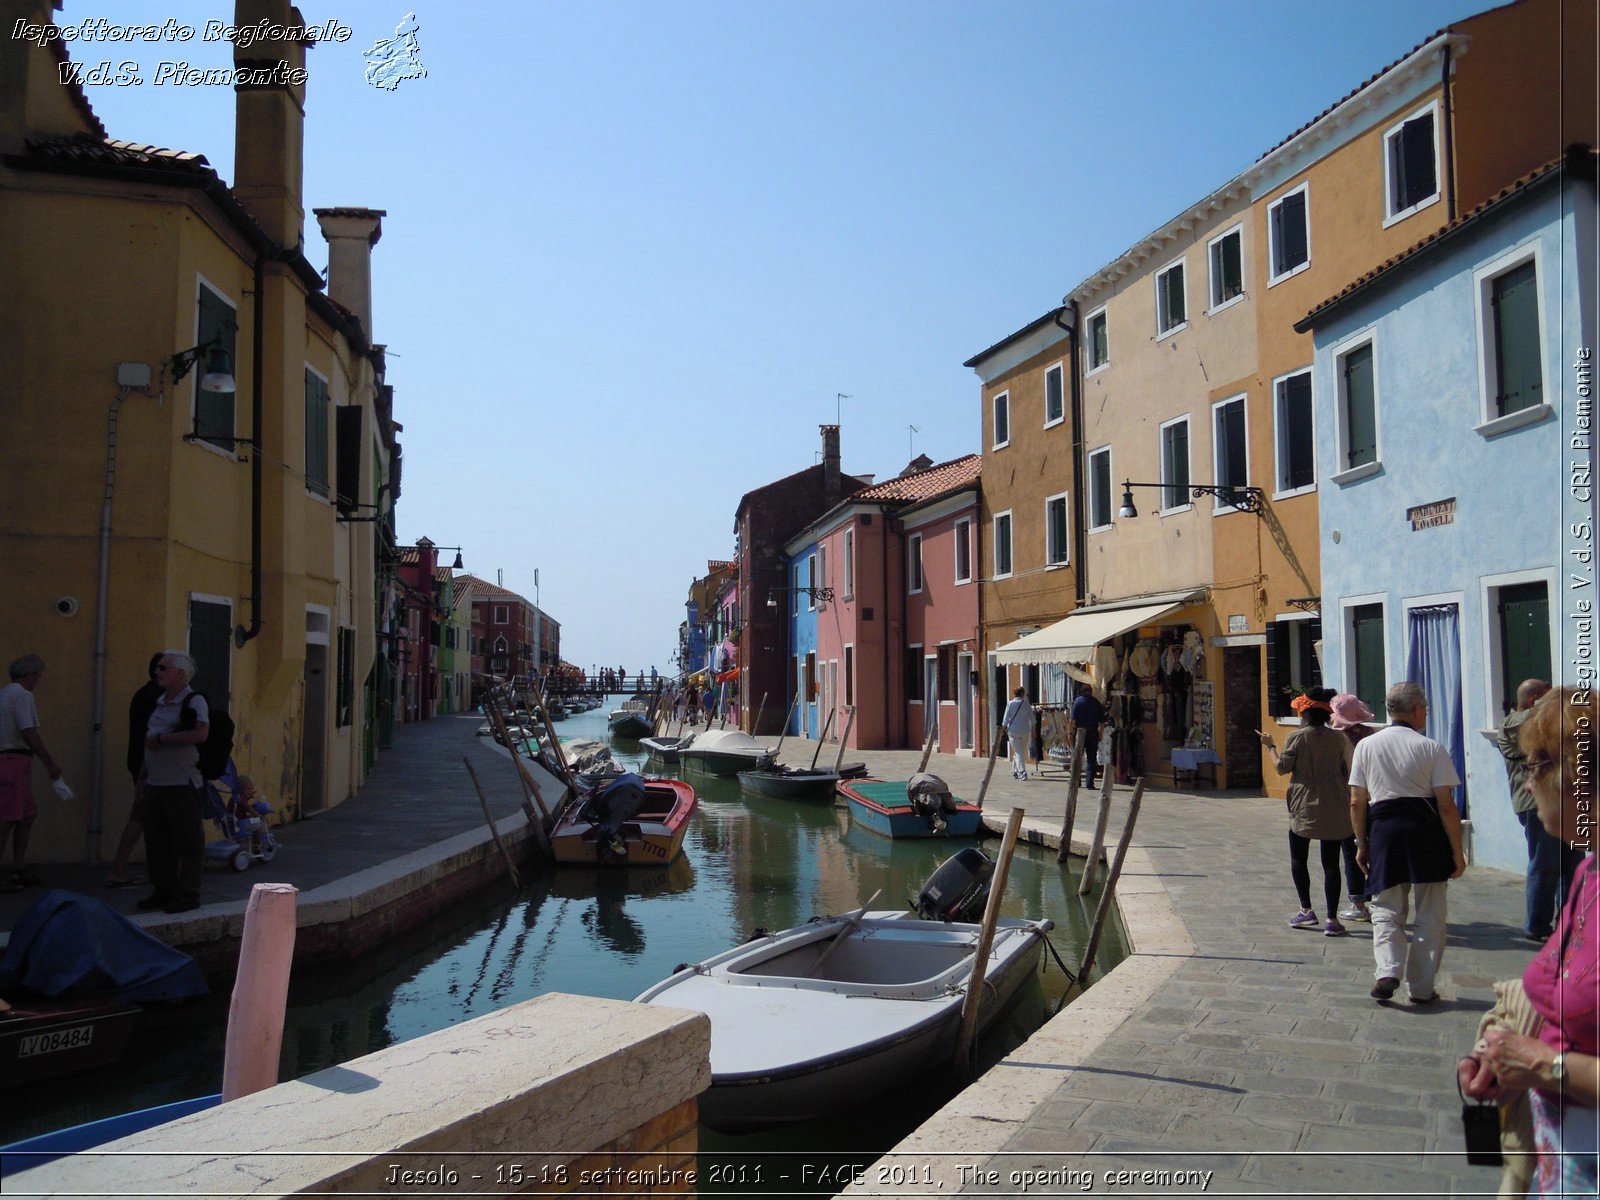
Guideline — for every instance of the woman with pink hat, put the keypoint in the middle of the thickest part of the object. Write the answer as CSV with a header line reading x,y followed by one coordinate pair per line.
x,y
1349,717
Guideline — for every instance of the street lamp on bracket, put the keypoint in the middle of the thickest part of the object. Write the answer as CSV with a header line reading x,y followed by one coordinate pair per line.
x,y
1242,499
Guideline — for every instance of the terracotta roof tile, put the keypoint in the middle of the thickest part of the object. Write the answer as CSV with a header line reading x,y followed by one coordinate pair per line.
x,y
75,92
938,480
1436,236
482,587
117,153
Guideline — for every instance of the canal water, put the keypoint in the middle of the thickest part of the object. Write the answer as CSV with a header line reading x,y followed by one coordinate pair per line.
x,y
748,863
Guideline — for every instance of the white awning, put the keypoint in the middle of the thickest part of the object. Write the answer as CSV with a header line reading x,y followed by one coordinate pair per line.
x,y
1073,639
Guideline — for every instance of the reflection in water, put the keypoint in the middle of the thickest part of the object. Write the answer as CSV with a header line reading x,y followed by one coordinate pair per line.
x,y
749,863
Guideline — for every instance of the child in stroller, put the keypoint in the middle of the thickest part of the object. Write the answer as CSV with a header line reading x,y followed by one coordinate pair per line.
x,y
242,821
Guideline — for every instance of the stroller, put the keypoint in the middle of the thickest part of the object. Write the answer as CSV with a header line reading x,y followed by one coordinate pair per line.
x,y
245,836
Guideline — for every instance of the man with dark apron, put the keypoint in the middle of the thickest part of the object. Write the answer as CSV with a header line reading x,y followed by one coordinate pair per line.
x,y
1408,840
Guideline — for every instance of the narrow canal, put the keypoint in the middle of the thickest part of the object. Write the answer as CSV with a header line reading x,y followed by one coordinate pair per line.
x,y
748,863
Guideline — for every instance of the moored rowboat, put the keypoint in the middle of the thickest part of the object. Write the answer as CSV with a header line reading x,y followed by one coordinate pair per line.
x,y
590,831
884,807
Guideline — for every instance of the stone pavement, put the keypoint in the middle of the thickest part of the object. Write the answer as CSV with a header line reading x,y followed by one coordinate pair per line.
x,y
1227,1041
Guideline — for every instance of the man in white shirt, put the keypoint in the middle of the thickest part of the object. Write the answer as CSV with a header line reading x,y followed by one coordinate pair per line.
x,y
174,821
20,744
1408,840
1017,721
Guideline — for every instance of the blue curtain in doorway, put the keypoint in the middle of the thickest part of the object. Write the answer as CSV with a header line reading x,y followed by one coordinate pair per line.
x,y
1434,661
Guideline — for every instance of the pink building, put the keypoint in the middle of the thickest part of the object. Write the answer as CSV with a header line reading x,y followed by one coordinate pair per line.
x,y
882,610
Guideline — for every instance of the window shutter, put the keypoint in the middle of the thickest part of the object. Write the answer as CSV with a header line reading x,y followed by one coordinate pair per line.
x,y
1520,382
1277,668
1417,178
1313,635
347,457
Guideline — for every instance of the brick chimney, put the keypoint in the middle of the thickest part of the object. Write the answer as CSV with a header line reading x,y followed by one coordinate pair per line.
x,y
269,127
351,234
830,461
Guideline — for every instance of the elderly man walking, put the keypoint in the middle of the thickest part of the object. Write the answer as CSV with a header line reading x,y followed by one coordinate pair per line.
x,y
1408,841
1017,721
20,744
1551,862
174,822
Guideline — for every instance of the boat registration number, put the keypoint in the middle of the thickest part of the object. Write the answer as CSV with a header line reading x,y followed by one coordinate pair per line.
x,y
56,1039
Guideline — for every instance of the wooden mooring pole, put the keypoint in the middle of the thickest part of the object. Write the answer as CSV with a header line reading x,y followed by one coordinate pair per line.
x,y
988,772
1103,910
927,746
849,724
824,737
516,880
1098,845
980,959
1072,798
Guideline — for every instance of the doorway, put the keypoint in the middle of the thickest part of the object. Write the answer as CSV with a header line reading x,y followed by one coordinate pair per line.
x,y
930,695
1241,690
966,700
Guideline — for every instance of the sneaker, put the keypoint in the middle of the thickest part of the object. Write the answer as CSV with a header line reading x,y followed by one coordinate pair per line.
x,y
1385,988
1363,913
1333,929
1304,919
1351,911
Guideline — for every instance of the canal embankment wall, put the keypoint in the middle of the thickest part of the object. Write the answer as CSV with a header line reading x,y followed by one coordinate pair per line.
x,y
478,1108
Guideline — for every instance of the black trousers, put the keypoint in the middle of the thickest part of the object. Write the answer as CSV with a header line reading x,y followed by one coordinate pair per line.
x,y
174,842
1299,851
1091,751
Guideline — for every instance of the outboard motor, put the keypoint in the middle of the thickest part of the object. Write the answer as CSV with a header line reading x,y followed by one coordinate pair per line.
x,y
930,799
610,806
958,890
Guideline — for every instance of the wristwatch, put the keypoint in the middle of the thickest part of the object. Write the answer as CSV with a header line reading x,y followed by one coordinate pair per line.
x,y
1558,1068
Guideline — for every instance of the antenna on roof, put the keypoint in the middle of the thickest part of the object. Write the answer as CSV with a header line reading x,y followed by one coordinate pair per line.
x,y
500,576
911,446
838,406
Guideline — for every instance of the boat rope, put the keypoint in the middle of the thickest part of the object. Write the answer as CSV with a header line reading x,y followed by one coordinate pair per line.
x,y
1072,979
697,968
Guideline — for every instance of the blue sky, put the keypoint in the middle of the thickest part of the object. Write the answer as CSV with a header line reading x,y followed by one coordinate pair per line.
x,y
634,251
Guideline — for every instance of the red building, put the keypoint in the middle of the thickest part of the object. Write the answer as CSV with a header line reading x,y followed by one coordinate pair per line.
x,y
425,595
511,637
765,520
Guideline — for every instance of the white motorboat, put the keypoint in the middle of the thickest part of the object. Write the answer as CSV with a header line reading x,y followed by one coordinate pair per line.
x,y
833,1012
723,752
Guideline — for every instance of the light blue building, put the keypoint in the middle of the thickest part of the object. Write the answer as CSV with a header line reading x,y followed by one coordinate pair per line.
x,y
1446,421
801,566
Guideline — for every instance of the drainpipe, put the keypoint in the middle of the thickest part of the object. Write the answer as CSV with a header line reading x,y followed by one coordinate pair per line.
x,y
1080,537
1449,141
983,648
97,709
883,563
258,335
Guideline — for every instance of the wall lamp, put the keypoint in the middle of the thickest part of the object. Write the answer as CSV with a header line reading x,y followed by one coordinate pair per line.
x,y
455,566
218,375
1245,499
822,594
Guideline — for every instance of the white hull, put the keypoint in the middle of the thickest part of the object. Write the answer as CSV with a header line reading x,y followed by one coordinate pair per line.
x,y
882,1008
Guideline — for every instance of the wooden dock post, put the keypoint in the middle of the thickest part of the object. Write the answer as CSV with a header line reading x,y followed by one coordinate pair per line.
x,y
824,737
784,732
1099,842
1103,910
927,747
760,712
849,724
260,992
980,959
988,772
516,880
1072,798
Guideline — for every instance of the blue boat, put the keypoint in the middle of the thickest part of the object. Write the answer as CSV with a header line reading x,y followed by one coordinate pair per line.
x,y
885,808
47,1147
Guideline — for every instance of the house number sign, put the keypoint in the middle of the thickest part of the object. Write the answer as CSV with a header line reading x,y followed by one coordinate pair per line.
x,y
1426,516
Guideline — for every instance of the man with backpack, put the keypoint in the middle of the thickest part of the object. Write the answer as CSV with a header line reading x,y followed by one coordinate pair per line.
x,y
174,828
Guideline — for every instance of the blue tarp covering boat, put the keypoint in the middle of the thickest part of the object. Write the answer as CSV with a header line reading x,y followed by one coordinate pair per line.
x,y
68,946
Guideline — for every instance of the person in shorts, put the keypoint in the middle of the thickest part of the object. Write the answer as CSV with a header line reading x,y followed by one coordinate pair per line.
x,y
20,744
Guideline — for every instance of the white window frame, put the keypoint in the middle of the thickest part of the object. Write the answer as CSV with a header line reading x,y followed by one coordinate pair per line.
x,y
1347,641
1000,398
1221,507
1274,276
1066,558
1493,650
1088,321
231,453
1488,364
1161,453
1391,216
1111,481
1211,272
1338,353
1279,492
916,572
849,564
1176,264
961,532
822,571
1280,618
994,544
207,598
811,582
1060,368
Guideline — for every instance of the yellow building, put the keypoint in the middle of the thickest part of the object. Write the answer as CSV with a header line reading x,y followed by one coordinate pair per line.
x,y
145,510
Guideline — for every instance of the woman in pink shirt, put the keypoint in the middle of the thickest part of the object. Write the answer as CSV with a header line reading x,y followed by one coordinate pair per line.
x,y
1560,1065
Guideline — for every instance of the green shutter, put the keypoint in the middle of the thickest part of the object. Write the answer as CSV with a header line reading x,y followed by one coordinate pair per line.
x,y
213,411
1519,381
1366,629
1361,416
1296,445
1524,637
